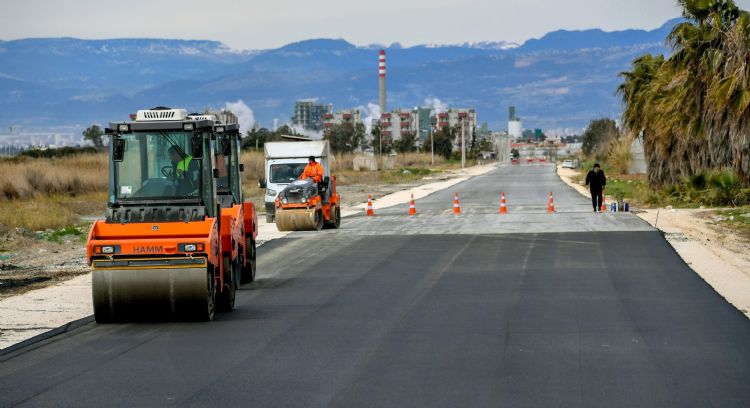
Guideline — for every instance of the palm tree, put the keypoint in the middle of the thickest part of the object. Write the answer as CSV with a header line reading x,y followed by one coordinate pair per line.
x,y
693,109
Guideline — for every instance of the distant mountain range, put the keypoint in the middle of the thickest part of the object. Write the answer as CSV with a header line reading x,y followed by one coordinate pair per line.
x,y
561,80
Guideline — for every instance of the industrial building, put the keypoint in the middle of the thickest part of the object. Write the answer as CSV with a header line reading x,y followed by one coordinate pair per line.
x,y
309,115
224,116
352,116
399,121
418,121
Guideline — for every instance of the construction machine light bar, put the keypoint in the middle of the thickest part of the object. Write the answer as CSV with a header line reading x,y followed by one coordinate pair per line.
x,y
123,128
202,117
150,115
219,129
188,127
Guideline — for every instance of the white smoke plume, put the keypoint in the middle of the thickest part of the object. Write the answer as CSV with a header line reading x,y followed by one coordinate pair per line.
x,y
306,132
436,105
244,114
368,114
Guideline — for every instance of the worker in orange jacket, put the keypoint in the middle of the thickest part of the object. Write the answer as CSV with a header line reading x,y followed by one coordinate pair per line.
x,y
313,170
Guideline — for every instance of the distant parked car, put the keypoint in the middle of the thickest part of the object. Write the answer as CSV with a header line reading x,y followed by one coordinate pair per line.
x,y
568,164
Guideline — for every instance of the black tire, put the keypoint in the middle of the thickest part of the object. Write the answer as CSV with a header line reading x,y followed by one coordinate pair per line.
x,y
207,311
337,218
248,271
336,222
319,220
226,298
269,218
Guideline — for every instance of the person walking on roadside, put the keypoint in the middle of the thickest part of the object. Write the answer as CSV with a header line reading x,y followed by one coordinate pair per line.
x,y
596,181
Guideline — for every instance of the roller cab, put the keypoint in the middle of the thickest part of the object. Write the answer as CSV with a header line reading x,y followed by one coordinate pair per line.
x,y
158,254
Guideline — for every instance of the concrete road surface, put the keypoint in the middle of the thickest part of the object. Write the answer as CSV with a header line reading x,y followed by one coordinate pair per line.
x,y
530,309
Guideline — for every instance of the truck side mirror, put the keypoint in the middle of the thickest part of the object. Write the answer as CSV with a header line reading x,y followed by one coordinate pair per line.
x,y
118,149
261,183
242,167
196,144
326,180
216,173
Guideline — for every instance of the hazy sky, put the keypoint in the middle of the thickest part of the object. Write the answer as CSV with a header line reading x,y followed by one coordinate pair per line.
x,y
259,24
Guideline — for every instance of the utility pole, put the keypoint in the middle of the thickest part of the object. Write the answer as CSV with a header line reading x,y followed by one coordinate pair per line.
x,y
380,142
432,146
463,144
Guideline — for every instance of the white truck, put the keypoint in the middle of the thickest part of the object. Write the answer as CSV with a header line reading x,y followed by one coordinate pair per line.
x,y
285,161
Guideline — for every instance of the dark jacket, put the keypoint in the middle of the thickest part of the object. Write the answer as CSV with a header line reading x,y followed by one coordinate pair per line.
x,y
596,181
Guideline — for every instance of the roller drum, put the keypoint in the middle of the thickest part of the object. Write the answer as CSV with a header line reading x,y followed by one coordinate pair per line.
x,y
298,220
148,294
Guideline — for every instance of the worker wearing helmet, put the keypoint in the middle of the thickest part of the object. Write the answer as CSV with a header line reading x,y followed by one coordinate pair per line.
x,y
313,170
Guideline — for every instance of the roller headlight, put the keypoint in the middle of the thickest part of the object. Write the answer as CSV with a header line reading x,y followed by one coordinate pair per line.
x,y
270,192
284,200
108,249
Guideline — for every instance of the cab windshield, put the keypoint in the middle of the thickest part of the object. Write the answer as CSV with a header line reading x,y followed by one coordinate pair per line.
x,y
284,173
159,165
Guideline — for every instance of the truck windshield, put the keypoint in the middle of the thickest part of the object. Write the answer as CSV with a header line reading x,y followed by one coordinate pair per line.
x,y
158,165
286,172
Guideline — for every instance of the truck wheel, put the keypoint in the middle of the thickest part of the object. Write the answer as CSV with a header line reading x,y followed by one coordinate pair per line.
x,y
269,218
225,298
248,271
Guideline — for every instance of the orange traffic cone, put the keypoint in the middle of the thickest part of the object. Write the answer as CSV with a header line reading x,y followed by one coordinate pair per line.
x,y
550,204
456,205
370,211
412,208
503,209
604,206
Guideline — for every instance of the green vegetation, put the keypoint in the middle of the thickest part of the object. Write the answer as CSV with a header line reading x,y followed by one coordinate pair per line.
x,y
693,109
737,219
94,134
70,233
346,137
52,153
597,137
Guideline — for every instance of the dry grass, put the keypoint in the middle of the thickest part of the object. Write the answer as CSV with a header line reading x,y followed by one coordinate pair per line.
x,y
50,212
25,179
619,154
38,194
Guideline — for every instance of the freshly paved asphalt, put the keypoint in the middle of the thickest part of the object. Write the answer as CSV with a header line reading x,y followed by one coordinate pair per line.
x,y
600,312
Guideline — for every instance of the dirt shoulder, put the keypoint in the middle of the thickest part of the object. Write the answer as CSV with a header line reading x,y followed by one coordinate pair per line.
x,y
719,255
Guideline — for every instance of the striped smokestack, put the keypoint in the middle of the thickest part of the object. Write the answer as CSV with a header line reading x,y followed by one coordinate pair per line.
x,y
381,74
